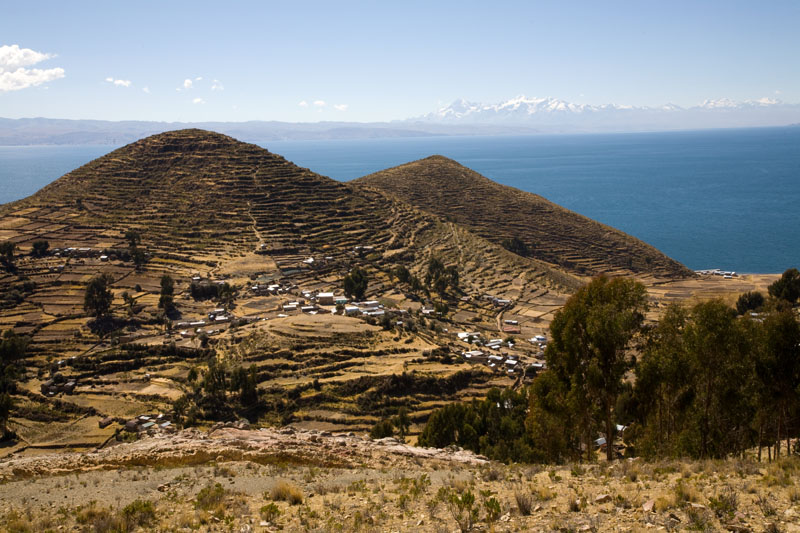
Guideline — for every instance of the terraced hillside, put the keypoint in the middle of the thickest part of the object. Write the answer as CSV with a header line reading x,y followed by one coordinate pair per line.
x,y
196,188
499,213
204,194
214,212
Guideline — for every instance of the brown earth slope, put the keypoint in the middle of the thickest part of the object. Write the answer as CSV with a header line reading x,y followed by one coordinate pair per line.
x,y
203,194
496,212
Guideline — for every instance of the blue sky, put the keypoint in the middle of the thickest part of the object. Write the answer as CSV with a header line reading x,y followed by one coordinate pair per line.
x,y
375,61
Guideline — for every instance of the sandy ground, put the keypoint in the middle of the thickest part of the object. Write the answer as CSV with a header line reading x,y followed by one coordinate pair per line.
x,y
348,483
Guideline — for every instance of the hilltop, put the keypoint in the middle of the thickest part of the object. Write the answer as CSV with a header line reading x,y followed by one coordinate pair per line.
x,y
206,198
499,213
200,190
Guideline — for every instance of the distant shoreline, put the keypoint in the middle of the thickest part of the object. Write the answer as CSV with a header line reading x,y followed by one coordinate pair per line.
x,y
25,132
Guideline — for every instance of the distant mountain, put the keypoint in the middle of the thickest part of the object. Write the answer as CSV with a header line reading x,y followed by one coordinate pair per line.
x,y
518,116
554,115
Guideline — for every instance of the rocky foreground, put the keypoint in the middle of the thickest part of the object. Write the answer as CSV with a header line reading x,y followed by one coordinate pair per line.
x,y
226,443
231,479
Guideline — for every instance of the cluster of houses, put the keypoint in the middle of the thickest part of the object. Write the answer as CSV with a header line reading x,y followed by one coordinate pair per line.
x,y
726,274
82,253
508,364
310,302
313,262
77,252
327,302
57,384
272,289
498,302
324,298
216,318
300,305
540,341
368,308
497,361
147,424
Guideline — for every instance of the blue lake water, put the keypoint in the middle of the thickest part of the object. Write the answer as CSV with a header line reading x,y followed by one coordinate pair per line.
x,y
726,198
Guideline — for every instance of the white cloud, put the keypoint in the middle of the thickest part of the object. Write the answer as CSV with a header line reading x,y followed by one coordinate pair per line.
x,y
13,57
198,101
198,78
119,83
319,103
146,89
13,75
187,83
217,86
303,103
341,107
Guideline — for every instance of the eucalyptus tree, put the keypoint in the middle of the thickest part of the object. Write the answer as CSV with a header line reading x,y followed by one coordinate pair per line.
x,y
588,350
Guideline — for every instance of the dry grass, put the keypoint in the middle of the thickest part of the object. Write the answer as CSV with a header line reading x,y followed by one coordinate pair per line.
x,y
400,495
286,491
524,500
544,494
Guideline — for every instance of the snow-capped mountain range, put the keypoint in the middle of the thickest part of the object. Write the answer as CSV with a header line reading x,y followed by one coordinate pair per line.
x,y
553,114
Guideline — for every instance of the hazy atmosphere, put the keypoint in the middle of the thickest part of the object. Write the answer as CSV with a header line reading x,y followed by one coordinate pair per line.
x,y
376,61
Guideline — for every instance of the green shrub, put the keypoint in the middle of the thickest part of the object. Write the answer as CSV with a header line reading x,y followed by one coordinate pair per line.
x,y
139,513
382,429
270,512
210,497
725,503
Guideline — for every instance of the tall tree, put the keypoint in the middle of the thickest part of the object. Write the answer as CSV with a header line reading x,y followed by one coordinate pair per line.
x,y
166,299
98,297
355,283
590,336
662,385
787,287
133,237
402,422
719,368
39,248
12,349
694,389
7,249
778,369
226,295
749,301
550,422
